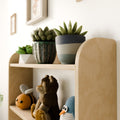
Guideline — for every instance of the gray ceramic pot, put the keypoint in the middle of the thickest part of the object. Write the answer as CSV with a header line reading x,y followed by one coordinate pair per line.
x,y
67,46
44,52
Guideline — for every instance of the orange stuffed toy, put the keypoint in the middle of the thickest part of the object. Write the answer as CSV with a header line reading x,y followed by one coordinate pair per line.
x,y
26,99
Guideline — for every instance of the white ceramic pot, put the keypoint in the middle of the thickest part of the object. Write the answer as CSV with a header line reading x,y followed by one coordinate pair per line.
x,y
26,59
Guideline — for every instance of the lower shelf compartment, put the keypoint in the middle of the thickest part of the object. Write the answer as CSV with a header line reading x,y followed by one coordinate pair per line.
x,y
23,114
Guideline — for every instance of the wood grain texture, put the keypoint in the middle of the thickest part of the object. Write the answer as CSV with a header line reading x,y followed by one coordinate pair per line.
x,y
23,114
96,90
17,76
46,66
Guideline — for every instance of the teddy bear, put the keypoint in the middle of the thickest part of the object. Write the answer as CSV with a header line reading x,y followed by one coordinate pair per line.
x,y
46,107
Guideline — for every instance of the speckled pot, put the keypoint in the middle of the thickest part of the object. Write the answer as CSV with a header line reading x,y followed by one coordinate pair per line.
x,y
67,46
44,52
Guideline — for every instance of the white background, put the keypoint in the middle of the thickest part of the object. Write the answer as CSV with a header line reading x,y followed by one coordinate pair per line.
x,y
100,17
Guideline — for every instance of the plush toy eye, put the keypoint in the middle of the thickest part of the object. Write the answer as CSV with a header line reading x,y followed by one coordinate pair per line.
x,y
16,99
21,101
65,108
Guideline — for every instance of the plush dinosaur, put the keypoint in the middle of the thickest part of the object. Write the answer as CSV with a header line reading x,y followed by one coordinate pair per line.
x,y
46,107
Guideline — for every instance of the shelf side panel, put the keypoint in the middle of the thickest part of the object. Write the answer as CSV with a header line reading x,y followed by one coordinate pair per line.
x,y
17,76
96,84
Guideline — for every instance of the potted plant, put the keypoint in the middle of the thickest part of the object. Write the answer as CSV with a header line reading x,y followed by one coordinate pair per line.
x,y
26,56
68,41
44,48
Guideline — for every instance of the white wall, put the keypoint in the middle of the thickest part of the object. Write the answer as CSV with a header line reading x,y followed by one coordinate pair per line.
x,y
99,17
4,58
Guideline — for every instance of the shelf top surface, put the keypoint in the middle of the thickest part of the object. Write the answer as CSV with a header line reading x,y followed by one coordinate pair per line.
x,y
23,114
45,66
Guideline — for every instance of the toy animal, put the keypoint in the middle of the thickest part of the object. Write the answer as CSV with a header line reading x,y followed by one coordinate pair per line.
x,y
46,107
26,99
68,110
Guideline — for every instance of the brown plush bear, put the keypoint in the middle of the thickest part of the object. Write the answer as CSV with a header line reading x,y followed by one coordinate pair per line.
x,y
46,107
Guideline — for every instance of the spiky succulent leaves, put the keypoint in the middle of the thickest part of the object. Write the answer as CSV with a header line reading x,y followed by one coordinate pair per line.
x,y
70,28
62,30
57,32
33,37
84,33
41,32
46,29
78,31
36,32
74,27
49,37
65,27
37,37
43,37
28,49
21,50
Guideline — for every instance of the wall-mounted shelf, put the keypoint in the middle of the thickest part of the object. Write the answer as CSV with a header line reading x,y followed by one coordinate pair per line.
x,y
23,114
95,81
45,66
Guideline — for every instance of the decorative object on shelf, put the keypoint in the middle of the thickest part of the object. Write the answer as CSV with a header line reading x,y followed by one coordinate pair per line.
x,y
46,107
26,99
68,41
68,110
26,56
36,11
44,48
13,24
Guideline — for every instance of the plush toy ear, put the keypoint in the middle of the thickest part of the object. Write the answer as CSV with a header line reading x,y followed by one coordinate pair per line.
x,y
23,88
28,91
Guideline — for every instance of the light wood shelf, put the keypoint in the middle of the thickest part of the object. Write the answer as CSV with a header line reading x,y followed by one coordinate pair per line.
x,y
45,66
95,81
23,114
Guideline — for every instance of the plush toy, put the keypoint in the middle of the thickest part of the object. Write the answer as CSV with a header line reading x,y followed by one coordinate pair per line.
x,y
46,107
68,110
26,99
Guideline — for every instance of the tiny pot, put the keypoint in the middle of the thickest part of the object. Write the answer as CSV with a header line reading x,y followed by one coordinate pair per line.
x,y
44,52
67,46
26,59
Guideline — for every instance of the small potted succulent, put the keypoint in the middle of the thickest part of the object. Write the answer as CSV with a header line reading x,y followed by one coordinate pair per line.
x,y
26,56
44,48
68,41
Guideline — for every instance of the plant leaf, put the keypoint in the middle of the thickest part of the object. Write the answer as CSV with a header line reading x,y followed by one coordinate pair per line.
x,y
84,33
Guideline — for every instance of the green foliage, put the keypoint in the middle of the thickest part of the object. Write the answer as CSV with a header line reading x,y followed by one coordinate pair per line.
x,y
25,50
70,30
43,34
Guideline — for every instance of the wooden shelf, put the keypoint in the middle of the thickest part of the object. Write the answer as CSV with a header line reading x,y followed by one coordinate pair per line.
x,y
95,81
23,114
46,66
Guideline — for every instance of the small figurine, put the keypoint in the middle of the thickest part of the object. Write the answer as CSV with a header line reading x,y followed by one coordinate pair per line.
x,y
68,110
26,99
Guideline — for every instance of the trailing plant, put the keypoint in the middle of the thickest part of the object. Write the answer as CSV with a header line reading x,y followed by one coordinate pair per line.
x,y
43,35
70,30
25,50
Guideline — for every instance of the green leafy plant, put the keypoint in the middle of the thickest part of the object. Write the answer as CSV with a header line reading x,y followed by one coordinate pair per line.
x,y
43,35
25,50
70,30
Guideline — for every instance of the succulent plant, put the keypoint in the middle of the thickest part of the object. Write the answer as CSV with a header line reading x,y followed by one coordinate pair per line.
x,y
70,30
25,50
43,35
